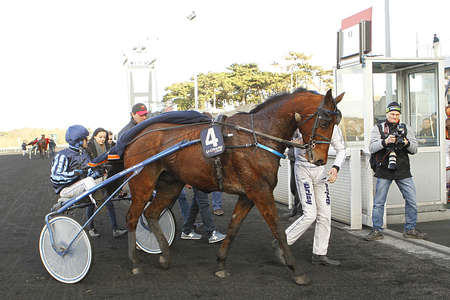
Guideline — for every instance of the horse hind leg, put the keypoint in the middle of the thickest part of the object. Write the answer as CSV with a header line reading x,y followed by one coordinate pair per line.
x,y
166,193
134,212
141,195
266,205
240,212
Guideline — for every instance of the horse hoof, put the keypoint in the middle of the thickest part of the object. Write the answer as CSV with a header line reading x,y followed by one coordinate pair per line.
x,y
136,271
222,274
163,262
302,280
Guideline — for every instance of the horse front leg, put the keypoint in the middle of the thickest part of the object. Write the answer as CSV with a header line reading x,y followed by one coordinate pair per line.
x,y
265,203
241,210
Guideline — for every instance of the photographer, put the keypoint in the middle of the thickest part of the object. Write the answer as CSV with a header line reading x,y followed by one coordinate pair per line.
x,y
392,142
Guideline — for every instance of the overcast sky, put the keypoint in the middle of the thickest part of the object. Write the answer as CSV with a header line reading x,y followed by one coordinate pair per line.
x,y
61,61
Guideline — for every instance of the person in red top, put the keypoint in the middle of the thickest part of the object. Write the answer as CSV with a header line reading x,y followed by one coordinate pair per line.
x,y
34,146
45,141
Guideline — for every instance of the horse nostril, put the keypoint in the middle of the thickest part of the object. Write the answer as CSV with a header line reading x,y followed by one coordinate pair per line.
x,y
320,162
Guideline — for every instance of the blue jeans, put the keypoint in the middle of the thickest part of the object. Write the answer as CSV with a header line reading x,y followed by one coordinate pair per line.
x,y
408,190
199,203
111,212
216,200
184,205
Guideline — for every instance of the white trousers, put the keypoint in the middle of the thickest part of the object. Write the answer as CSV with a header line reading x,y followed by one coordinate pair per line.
x,y
80,187
315,197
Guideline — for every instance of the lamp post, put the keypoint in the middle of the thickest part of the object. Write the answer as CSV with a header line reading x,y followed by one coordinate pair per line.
x,y
191,17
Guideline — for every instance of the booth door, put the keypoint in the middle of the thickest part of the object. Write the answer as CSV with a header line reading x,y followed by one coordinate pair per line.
x,y
420,111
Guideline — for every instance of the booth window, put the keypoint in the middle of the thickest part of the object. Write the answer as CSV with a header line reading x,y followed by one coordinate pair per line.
x,y
351,82
384,92
423,104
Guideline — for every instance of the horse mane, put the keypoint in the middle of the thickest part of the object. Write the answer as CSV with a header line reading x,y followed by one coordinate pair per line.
x,y
276,98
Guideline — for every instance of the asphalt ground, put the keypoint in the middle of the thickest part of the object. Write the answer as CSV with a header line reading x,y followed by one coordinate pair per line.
x,y
369,270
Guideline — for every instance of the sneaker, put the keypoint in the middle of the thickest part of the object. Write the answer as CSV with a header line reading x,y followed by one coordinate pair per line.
x,y
56,206
324,260
374,235
119,232
216,237
218,212
191,236
59,204
93,233
414,234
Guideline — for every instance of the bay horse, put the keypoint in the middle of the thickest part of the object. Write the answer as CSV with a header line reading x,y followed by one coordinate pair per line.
x,y
249,172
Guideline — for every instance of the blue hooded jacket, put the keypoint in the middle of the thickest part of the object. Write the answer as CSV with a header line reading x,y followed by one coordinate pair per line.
x,y
75,157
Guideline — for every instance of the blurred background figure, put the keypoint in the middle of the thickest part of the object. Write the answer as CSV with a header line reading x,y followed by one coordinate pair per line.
x,y
24,148
436,51
111,139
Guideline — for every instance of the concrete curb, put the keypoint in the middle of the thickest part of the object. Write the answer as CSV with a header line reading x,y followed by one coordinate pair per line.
x,y
422,249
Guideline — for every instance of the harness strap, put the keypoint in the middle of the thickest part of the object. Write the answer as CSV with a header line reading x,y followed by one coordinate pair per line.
x,y
268,136
219,172
217,161
253,129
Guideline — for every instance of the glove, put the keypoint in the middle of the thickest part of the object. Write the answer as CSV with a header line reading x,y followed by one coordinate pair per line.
x,y
80,172
97,174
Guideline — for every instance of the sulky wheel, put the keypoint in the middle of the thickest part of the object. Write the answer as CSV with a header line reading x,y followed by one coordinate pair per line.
x,y
74,265
146,240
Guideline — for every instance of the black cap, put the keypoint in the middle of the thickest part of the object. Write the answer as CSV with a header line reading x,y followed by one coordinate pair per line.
x,y
140,109
393,106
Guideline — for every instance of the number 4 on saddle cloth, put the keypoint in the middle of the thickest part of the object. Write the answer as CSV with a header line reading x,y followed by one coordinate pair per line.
x,y
212,141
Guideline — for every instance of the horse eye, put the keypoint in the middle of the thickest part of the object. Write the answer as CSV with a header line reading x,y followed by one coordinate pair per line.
x,y
324,123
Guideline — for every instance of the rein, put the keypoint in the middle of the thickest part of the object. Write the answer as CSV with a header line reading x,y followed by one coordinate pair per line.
x,y
237,127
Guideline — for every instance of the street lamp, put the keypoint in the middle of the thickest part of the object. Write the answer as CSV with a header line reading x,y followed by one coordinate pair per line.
x,y
191,17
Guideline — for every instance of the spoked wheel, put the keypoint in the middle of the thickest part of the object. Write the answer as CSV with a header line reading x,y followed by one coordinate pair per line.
x,y
75,264
146,239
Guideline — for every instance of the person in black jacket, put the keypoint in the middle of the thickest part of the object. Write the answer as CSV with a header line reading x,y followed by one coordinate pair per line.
x,y
138,114
392,143
97,145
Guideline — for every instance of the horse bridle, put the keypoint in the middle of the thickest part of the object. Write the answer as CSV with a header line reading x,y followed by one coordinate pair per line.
x,y
322,119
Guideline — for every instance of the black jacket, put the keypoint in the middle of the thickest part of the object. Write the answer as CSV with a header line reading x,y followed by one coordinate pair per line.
x,y
130,125
382,150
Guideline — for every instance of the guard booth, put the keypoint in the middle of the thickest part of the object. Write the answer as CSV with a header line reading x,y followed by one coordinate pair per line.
x,y
418,85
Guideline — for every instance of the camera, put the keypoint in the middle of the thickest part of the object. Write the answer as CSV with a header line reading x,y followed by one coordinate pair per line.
x,y
399,131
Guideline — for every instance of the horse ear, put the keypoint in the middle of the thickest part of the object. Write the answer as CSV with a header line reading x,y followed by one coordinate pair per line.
x,y
329,96
298,118
339,98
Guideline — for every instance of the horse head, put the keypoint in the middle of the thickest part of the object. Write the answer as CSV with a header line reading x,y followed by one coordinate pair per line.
x,y
316,125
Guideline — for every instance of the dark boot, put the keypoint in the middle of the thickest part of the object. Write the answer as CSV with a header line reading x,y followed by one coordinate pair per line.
x,y
324,260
